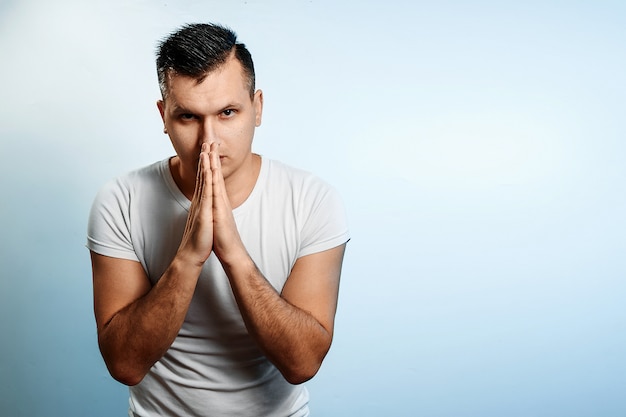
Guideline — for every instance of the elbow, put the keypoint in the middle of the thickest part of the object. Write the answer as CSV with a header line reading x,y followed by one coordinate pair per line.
x,y
302,371
123,371
125,375
307,364
129,380
121,367
297,377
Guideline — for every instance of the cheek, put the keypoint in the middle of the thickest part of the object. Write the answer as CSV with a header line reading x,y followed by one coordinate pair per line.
x,y
240,133
184,141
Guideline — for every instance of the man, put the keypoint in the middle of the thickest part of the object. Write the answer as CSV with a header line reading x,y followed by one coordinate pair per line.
x,y
216,271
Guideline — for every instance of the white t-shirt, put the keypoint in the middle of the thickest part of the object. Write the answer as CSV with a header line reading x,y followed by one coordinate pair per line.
x,y
214,368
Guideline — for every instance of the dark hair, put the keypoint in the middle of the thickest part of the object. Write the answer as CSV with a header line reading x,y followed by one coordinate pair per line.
x,y
197,49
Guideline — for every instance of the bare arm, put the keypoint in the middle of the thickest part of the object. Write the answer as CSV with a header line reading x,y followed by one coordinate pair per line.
x,y
295,328
136,322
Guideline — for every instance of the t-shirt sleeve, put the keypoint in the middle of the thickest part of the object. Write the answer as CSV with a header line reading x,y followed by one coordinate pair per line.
x,y
108,228
326,224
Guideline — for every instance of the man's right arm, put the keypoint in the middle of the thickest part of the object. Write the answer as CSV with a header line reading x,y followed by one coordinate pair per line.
x,y
137,322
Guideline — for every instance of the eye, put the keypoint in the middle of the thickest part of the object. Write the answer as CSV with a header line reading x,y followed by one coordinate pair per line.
x,y
228,113
187,116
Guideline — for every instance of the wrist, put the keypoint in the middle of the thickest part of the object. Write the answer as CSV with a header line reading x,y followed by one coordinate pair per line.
x,y
186,259
235,259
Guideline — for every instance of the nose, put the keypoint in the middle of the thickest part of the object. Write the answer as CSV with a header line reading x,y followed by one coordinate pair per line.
x,y
208,133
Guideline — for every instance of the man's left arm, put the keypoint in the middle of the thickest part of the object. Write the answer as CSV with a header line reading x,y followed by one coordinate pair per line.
x,y
294,328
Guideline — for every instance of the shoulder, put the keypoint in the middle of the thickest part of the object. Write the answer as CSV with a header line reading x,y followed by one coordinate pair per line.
x,y
120,193
295,179
132,181
318,209
310,195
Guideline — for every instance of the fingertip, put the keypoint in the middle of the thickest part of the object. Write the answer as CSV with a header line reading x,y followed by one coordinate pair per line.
x,y
203,162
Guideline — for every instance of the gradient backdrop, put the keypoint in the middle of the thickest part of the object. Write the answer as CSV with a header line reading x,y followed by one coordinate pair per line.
x,y
480,149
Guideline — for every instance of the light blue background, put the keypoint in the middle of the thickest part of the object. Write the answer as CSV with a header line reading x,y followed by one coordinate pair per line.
x,y
479,147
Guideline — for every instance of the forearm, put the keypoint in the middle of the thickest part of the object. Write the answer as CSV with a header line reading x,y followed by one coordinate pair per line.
x,y
291,338
139,335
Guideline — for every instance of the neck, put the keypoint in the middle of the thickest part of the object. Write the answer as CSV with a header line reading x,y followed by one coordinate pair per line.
x,y
238,184
184,179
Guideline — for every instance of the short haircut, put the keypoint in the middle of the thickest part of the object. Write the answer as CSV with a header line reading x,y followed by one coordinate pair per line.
x,y
197,49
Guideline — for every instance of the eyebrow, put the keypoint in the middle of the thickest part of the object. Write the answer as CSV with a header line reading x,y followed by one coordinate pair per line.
x,y
232,105
178,109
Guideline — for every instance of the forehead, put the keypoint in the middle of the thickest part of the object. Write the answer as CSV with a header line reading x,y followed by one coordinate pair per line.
x,y
223,84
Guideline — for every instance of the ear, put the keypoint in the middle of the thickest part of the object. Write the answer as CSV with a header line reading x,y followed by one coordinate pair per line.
x,y
161,106
258,107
